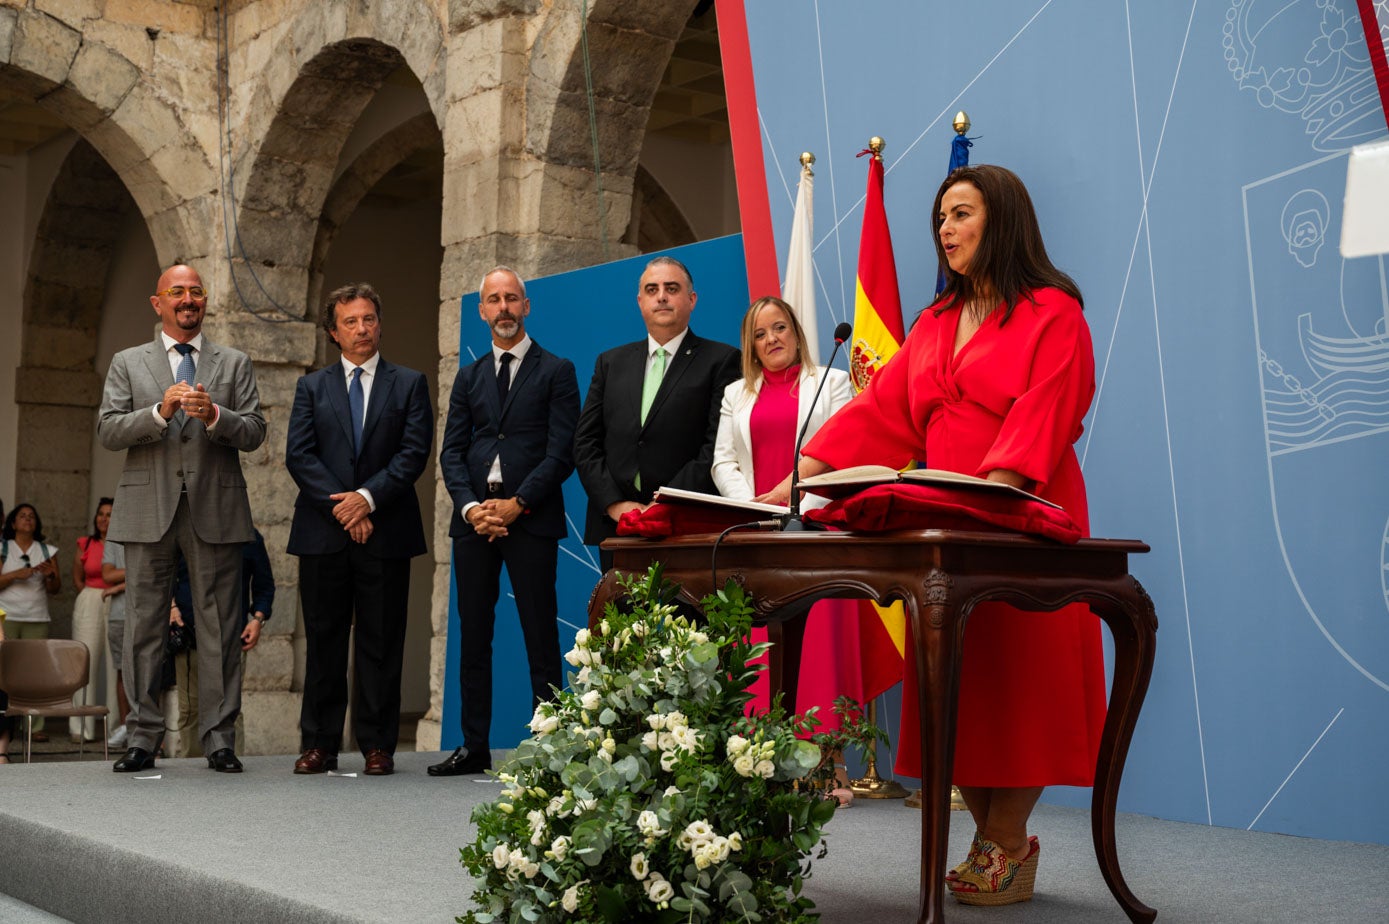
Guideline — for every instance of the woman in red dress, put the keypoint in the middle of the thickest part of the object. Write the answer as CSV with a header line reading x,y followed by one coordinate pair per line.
x,y
993,381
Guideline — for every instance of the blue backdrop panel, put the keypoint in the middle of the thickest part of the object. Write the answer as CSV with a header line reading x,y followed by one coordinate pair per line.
x,y
1188,161
579,315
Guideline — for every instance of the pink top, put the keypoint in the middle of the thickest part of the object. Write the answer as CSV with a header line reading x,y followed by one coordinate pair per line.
x,y
89,552
773,428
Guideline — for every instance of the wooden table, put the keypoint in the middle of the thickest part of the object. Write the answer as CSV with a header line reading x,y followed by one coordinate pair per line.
x,y
940,575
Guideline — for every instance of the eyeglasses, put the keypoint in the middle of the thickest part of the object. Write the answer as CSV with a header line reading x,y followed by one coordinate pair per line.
x,y
198,292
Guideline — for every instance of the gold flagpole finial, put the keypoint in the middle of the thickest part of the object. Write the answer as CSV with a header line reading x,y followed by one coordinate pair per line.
x,y
961,122
808,161
876,145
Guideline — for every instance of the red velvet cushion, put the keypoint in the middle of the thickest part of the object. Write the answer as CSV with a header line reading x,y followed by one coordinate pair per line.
x,y
887,507
661,521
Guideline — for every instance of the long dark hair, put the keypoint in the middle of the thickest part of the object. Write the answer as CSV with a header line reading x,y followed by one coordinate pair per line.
x,y
96,530
38,522
1011,260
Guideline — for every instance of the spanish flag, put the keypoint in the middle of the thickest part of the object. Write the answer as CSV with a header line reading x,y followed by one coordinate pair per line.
x,y
878,335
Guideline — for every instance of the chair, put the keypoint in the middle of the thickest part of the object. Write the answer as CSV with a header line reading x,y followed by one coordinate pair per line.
x,y
41,676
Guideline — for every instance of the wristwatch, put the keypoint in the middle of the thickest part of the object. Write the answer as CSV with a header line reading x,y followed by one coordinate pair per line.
x,y
259,618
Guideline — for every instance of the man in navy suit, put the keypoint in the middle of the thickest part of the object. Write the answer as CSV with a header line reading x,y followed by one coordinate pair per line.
x,y
652,411
359,438
508,446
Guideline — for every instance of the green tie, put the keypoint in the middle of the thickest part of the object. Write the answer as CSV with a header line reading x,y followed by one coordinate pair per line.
x,y
653,382
649,389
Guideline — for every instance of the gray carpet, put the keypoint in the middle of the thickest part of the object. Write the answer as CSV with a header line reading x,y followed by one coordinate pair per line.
x,y
82,843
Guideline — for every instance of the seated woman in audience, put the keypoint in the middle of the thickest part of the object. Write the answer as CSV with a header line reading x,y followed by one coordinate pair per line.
x,y
89,616
28,577
761,414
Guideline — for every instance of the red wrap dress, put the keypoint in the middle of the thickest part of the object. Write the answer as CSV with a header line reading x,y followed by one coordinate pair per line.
x,y
1032,688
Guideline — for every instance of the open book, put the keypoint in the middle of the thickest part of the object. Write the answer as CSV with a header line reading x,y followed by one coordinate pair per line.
x,y
699,498
845,481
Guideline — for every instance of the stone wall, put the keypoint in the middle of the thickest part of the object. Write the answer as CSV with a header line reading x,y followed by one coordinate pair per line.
x,y
139,80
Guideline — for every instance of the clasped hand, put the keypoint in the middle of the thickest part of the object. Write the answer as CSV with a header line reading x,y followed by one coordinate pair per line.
x,y
194,401
354,513
492,517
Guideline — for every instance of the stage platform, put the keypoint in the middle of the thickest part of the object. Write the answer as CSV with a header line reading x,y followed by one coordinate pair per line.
x,y
80,843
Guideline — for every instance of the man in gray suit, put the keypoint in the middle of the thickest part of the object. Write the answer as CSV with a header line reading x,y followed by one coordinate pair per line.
x,y
183,408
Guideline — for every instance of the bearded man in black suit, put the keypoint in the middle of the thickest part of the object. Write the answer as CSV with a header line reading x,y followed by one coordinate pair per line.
x,y
508,446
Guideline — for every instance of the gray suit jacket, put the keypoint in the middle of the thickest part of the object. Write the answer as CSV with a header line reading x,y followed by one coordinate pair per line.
x,y
159,463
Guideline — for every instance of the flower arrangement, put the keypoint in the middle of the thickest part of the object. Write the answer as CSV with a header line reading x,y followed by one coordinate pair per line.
x,y
645,793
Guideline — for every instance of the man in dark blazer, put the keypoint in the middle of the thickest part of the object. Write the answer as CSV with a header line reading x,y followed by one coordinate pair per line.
x,y
650,420
508,446
359,438
183,409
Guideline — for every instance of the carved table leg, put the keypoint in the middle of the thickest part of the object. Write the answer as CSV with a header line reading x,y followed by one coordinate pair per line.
x,y
937,630
1130,617
604,591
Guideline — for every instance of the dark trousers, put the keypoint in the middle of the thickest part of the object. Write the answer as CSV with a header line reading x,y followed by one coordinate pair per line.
x,y
477,563
332,588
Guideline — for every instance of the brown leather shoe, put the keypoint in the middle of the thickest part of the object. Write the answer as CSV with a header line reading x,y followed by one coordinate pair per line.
x,y
316,760
379,763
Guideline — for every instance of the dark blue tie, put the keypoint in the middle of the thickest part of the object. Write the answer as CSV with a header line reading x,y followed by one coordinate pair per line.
x,y
357,402
504,376
186,371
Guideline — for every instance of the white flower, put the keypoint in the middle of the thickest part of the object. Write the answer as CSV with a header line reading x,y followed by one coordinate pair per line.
x,y
657,721
765,769
500,856
676,718
544,724
581,638
684,841
570,901
591,700
668,759
658,890
686,737
582,677
639,867
649,824
737,744
559,847
651,741
670,791
744,765
610,745
555,806
576,656
699,831
735,841
699,638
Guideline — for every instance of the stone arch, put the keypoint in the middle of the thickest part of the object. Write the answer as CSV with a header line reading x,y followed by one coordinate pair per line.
x,y
112,103
657,221
358,179
317,78
629,47
57,388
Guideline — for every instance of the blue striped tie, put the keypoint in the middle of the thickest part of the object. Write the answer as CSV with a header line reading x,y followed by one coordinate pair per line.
x,y
186,372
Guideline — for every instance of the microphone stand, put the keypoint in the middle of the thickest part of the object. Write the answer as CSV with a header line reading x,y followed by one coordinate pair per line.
x,y
791,521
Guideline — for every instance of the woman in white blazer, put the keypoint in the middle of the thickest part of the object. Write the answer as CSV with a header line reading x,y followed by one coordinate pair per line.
x,y
762,413
773,377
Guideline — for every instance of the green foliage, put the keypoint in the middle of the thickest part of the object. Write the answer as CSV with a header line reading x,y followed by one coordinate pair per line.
x,y
645,793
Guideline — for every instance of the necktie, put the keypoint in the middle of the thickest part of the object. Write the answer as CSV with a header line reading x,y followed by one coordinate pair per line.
x,y
653,382
504,377
357,403
186,371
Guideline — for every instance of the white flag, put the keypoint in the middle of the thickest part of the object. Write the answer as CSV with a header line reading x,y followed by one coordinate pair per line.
x,y
799,288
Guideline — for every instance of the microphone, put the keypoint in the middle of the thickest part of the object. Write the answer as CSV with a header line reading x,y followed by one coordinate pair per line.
x,y
792,523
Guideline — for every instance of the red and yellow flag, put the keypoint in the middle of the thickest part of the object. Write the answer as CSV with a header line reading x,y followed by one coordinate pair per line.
x,y
878,334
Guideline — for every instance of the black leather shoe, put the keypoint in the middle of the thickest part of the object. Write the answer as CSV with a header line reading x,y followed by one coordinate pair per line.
x,y
135,759
224,761
460,762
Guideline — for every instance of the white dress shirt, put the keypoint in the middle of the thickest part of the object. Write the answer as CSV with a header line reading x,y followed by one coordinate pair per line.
x,y
175,358
368,379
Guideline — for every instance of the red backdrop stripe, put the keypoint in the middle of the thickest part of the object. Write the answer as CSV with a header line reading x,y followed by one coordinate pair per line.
x,y
750,173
